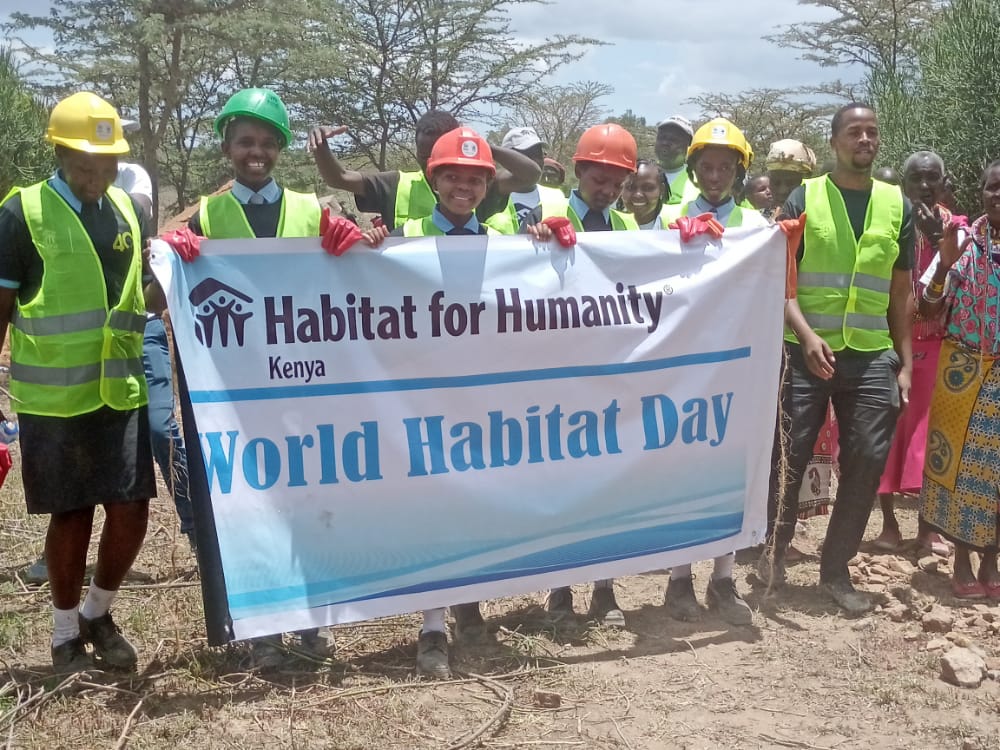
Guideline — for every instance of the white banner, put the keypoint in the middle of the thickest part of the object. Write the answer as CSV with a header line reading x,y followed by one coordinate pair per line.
x,y
460,418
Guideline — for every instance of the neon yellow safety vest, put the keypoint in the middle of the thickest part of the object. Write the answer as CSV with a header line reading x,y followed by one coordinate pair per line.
x,y
682,190
222,216
70,353
414,198
620,221
507,222
739,217
844,282
426,227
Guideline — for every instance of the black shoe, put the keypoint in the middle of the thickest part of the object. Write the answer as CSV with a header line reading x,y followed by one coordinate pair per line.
x,y
432,655
853,602
469,622
70,657
605,609
560,603
680,601
109,644
723,598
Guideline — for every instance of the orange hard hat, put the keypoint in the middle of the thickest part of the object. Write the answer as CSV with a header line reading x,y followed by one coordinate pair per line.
x,y
462,147
607,144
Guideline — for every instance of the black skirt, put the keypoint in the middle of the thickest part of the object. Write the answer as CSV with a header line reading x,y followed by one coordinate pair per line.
x,y
79,462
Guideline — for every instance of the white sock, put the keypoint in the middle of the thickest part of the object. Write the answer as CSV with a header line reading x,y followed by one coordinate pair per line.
x,y
433,621
680,571
724,566
604,583
98,601
65,625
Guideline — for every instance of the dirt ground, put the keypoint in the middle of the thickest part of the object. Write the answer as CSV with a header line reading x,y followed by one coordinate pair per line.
x,y
801,676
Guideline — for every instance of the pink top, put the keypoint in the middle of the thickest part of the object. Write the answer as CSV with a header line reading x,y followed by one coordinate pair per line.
x,y
926,330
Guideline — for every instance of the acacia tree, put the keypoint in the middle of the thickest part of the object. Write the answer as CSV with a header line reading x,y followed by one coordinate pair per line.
x,y
559,114
167,63
24,157
395,59
870,33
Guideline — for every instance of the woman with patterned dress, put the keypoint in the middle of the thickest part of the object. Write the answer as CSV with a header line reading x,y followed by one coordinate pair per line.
x,y
961,485
923,184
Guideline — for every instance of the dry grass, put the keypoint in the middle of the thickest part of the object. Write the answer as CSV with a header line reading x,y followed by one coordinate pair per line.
x,y
802,677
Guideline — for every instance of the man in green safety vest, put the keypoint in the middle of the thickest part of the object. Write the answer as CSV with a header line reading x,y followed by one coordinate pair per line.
x,y
847,340
673,138
400,195
525,141
71,292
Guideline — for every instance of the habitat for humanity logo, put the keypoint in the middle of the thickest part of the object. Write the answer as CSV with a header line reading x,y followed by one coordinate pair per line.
x,y
219,309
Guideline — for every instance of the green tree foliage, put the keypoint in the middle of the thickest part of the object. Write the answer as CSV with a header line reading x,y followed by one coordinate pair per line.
x,y
169,64
24,156
870,33
950,101
377,65
559,114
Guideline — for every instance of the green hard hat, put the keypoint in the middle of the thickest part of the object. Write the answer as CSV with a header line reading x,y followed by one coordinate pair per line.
x,y
261,104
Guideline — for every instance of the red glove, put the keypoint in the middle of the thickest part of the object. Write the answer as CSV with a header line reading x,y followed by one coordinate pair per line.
x,y
692,226
338,233
184,242
5,463
562,228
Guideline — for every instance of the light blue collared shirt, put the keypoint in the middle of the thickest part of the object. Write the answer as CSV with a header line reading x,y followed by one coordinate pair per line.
x,y
580,208
700,206
446,226
57,183
271,193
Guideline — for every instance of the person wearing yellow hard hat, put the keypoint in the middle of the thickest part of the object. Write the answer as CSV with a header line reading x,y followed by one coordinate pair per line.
x,y
71,292
717,161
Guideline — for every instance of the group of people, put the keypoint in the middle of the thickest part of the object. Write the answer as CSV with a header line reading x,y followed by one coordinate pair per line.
x,y
890,310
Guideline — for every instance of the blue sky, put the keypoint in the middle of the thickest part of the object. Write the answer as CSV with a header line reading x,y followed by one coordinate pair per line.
x,y
660,52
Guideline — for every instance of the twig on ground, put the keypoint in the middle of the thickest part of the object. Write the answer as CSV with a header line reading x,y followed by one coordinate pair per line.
x,y
790,743
621,734
494,722
123,737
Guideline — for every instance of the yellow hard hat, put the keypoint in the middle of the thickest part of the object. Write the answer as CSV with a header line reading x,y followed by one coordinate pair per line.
x,y
85,122
721,132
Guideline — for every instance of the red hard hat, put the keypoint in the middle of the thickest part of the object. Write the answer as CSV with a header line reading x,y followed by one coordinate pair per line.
x,y
607,144
462,147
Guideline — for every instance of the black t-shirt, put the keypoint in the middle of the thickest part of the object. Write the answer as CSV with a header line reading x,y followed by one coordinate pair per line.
x,y
263,219
379,197
856,202
21,263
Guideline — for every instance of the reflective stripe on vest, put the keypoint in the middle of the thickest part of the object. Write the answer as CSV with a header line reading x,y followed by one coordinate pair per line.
x,y
222,216
844,282
682,190
426,227
70,354
620,221
414,198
